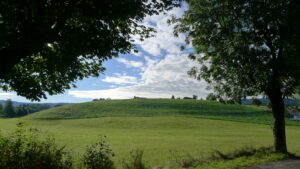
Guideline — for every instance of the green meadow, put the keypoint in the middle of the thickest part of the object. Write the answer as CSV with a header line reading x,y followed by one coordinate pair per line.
x,y
162,128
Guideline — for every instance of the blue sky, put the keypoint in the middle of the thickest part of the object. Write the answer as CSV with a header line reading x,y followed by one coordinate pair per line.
x,y
159,70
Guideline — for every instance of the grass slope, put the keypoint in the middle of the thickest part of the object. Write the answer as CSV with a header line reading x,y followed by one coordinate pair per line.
x,y
158,136
159,127
159,107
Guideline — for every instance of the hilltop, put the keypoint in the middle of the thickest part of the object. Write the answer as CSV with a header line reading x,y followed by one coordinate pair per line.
x,y
159,107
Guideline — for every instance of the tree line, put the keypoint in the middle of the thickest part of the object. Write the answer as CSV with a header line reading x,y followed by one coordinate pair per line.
x,y
9,110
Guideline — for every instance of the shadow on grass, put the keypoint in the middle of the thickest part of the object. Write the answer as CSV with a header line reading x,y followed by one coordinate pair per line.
x,y
240,158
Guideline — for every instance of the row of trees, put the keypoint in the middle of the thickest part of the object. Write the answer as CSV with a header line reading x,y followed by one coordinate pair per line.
x,y
9,110
101,99
195,97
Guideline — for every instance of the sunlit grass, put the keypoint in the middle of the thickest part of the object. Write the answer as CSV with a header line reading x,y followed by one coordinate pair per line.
x,y
159,127
160,107
157,136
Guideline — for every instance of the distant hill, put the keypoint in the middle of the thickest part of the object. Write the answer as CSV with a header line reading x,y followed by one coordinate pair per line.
x,y
16,104
265,102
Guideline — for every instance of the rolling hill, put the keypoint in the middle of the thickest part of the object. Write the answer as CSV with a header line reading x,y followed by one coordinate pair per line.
x,y
162,128
159,107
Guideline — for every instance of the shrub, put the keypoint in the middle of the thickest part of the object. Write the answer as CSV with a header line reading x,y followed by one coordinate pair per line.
x,y
256,102
135,161
98,156
211,97
24,149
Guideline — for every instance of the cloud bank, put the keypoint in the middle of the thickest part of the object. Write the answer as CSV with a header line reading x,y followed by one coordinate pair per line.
x,y
130,63
120,79
164,71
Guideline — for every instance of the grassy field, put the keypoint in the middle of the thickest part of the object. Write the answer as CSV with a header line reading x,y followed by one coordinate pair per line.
x,y
158,108
159,127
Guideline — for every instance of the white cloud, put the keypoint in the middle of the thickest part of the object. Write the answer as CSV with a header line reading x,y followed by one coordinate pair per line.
x,y
161,77
118,93
130,63
120,79
164,39
6,95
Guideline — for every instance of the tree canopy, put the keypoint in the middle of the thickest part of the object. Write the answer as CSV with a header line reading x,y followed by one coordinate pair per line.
x,y
1,109
246,48
9,110
298,90
46,45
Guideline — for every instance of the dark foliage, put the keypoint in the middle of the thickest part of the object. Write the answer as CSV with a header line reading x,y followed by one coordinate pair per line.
x,y
17,111
98,156
9,110
1,109
25,150
26,109
46,45
256,102
211,97
246,48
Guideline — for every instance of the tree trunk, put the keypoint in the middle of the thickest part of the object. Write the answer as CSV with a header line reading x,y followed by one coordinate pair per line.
x,y
276,99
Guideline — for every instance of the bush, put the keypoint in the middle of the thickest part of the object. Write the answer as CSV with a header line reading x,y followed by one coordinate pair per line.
x,y
211,97
135,161
25,150
98,156
256,102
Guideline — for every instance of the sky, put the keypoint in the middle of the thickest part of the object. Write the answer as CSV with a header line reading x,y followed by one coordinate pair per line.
x,y
158,70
